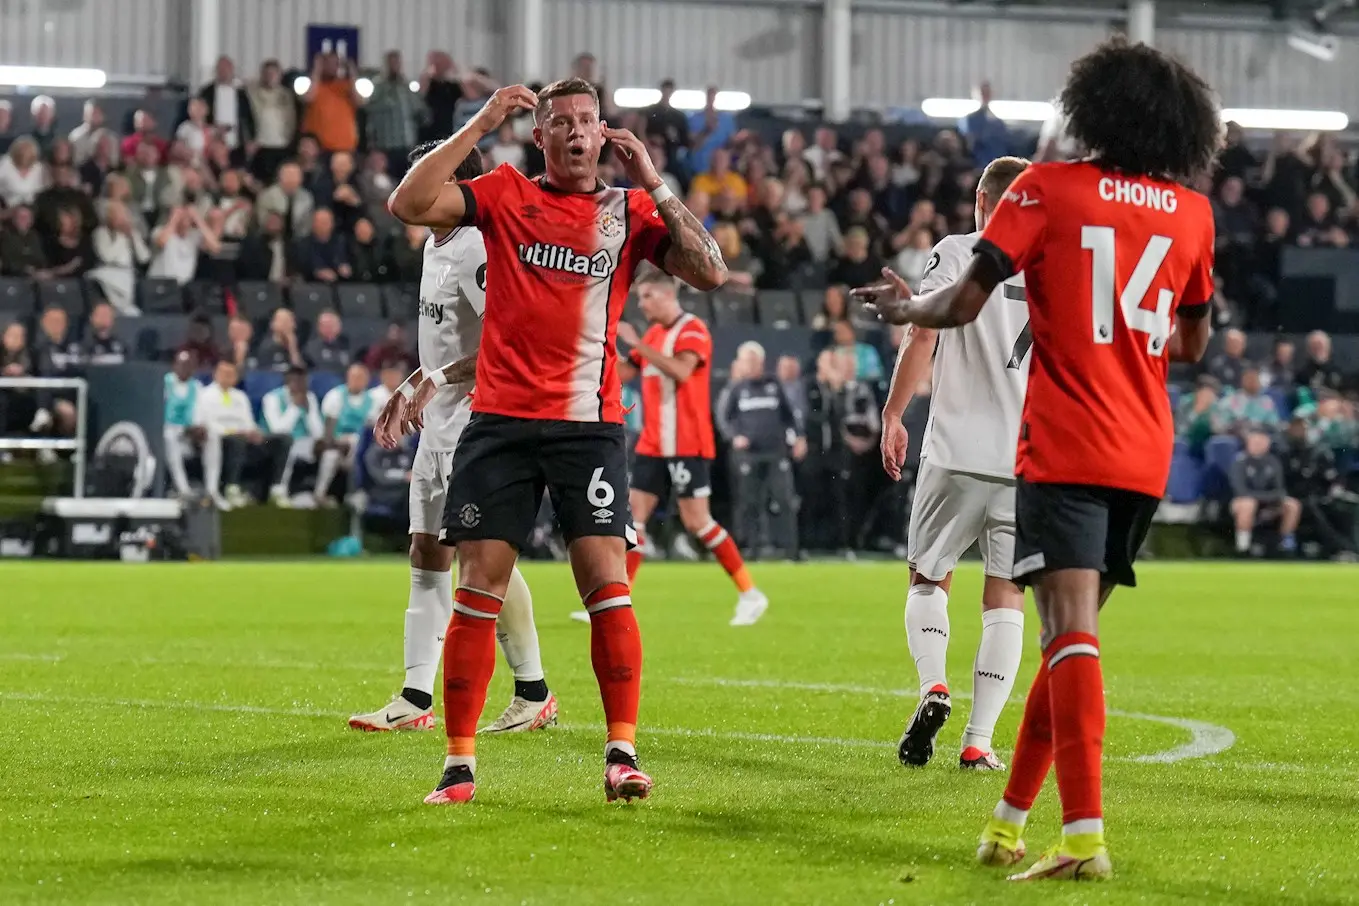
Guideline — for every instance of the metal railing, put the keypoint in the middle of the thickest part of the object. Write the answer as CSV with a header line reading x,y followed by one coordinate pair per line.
x,y
77,444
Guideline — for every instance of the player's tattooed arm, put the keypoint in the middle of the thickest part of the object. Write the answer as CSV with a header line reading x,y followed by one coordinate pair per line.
x,y
459,372
694,255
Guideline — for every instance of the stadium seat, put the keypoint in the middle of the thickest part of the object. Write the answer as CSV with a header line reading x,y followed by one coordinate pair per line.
x,y
257,300
68,293
1280,398
1173,390
258,383
401,302
360,300
810,302
17,296
152,337
1218,455
730,309
363,332
206,296
778,308
310,299
1186,478
810,276
322,382
160,295
698,304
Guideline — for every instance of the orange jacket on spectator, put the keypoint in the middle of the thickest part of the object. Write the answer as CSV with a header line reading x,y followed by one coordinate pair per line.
x,y
331,116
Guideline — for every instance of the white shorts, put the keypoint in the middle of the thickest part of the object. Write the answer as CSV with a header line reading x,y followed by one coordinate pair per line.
x,y
952,510
429,489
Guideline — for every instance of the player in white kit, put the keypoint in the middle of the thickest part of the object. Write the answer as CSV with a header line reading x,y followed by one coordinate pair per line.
x,y
452,303
965,489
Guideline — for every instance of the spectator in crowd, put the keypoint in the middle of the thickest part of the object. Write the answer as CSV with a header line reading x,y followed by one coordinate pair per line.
x,y
291,417
1194,419
441,89
661,161
987,133
834,308
195,132
64,193
279,350
860,265
43,128
1319,371
742,267
1236,158
181,398
17,407
867,360
86,137
1317,226
265,254
179,242
1237,225
700,205
273,108
1333,421
337,189
1247,408
56,355
237,349
709,129
820,229
101,345
1225,312
914,260
22,251
235,206
146,180
323,256
289,200
366,255
666,123
757,420
332,104
328,349
375,186
393,351
1278,373
1259,496
144,133
824,152
406,258
120,251
227,108
477,88
389,477
102,163
720,177
199,342
6,124
70,253
393,111
789,372
184,187
1312,478
1228,364
224,429
1329,179
22,173
347,410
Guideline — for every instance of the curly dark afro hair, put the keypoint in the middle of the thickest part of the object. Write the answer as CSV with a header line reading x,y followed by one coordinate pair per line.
x,y
1141,111
470,168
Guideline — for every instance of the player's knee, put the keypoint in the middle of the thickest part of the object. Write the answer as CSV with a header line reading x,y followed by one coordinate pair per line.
x,y
1292,506
428,553
695,519
919,580
1244,507
598,561
486,565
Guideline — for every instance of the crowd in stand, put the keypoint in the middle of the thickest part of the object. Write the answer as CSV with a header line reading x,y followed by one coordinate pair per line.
x,y
258,183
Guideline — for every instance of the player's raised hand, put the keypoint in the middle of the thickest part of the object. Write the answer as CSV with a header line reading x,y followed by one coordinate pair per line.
x,y
635,158
627,333
504,102
895,439
388,429
415,409
889,299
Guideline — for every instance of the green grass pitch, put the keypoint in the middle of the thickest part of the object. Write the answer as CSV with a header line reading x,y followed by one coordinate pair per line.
x,y
175,734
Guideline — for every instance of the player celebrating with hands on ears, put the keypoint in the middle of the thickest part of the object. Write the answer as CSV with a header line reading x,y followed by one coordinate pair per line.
x,y
547,414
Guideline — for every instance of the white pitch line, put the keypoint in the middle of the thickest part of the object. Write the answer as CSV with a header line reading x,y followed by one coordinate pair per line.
x,y
1205,739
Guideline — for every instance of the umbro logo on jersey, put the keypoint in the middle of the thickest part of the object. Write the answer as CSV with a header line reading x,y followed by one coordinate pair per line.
x,y
530,211
562,258
602,516
434,312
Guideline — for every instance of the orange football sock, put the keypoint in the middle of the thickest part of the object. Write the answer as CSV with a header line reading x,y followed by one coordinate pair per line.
x,y
1033,750
616,654
469,661
1077,691
716,539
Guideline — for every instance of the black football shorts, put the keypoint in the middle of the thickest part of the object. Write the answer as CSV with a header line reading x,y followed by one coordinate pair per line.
x,y
502,466
1077,526
689,476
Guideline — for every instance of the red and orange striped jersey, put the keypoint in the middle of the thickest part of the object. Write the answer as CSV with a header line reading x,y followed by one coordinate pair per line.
x,y
558,269
677,418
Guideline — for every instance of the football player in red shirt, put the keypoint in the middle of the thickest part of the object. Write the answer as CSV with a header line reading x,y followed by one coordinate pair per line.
x,y
1117,255
561,251
676,449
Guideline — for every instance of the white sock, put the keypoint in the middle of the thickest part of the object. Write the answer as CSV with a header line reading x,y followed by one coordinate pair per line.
x,y
1007,812
427,616
516,633
1242,540
451,761
927,633
325,472
993,673
174,460
623,746
212,463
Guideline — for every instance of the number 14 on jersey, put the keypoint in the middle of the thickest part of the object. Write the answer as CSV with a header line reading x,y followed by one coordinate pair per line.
x,y
1100,241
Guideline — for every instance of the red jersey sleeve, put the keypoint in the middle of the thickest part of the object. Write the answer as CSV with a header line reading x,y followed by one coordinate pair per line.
x,y
1198,292
1015,232
648,234
636,359
483,195
694,337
